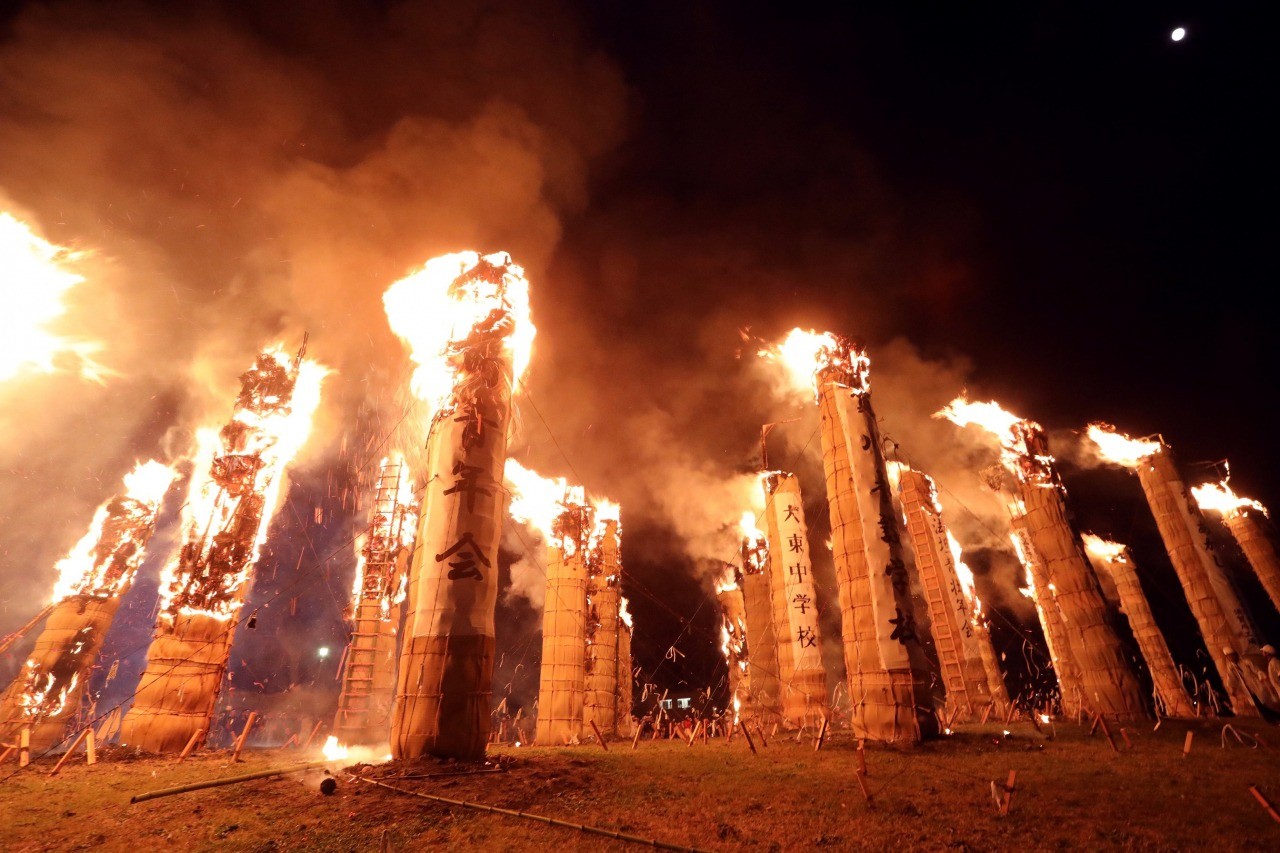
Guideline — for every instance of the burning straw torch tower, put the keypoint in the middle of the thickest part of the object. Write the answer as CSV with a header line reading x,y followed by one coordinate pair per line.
x,y
92,580
625,679
733,641
1241,517
887,670
959,634
562,684
466,319
1108,683
1223,622
1041,592
225,522
369,667
604,574
763,664
1113,559
795,603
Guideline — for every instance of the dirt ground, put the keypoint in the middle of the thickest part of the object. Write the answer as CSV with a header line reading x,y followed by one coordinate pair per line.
x,y
1072,791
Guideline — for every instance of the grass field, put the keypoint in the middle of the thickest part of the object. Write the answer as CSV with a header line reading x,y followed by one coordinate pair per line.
x,y
1073,791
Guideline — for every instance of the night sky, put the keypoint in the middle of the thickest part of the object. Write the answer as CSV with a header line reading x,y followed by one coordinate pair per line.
x,y
1053,205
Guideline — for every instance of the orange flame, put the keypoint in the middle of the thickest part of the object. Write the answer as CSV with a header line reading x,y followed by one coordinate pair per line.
x,y
1115,446
106,558
811,358
1103,549
624,611
1218,497
436,309
37,277
265,431
1023,449
728,580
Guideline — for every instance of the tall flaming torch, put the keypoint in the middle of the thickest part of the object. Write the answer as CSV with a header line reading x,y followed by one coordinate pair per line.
x,y
733,641
466,320
1113,558
795,603
954,609
604,574
92,580
561,515
887,670
1109,683
764,665
1224,624
1241,517
225,522
382,562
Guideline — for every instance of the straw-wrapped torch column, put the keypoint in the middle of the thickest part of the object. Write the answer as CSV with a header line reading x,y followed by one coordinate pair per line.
x,y
1223,622
1040,590
625,679
795,603
604,575
951,599
1109,683
369,666
562,684
225,522
885,661
733,641
763,668
92,580
1241,515
1113,559
466,319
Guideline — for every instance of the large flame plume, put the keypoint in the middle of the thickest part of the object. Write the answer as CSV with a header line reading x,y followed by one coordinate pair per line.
x,y
229,510
1103,549
1023,448
1114,446
35,278
453,298
563,515
1219,497
811,358
106,558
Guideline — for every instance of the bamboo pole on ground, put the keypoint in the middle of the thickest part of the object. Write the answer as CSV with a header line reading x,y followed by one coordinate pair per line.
x,y
802,673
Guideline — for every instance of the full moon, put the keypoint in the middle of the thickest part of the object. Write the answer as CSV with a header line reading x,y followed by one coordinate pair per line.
x,y
1178,34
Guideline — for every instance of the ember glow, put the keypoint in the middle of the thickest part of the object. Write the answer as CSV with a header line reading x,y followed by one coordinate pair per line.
x,y
453,299
1219,497
1116,447
37,275
106,558
333,750
230,508
811,358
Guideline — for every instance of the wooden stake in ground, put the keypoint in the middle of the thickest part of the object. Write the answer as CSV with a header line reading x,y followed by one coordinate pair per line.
x,y
1186,744
822,735
862,757
443,688
1266,804
599,737
760,731
636,738
91,748
315,730
70,749
244,735
747,734
195,738
1010,786
24,746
